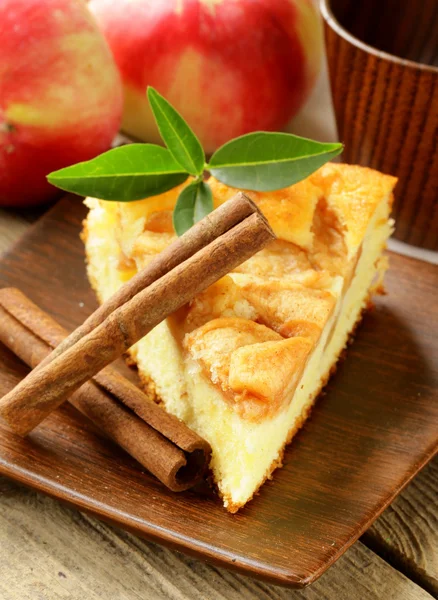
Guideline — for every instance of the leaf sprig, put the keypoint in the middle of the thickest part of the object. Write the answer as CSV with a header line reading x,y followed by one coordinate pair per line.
x,y
260,161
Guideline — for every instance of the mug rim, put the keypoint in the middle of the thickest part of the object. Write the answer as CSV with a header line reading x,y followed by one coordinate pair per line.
x,y
334,24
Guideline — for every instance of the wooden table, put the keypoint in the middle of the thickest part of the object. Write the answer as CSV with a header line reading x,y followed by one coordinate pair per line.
x,y
51,552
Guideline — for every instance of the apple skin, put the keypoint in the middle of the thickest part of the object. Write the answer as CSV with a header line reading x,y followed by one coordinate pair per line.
x,y
229,66
61,97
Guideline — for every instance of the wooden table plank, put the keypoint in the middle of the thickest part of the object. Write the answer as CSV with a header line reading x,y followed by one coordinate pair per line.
x,y
406,534
12,226
54,552
14,223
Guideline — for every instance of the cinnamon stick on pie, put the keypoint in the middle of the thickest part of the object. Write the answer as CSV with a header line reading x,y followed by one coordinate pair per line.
x,y
160,442
47,387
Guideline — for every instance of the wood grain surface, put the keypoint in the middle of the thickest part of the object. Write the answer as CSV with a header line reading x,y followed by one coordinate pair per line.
x,y
88,460
402,535
386,108
55,553
14,223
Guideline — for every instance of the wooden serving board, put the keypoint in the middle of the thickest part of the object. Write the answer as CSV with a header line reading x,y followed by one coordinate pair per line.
x,y
372,431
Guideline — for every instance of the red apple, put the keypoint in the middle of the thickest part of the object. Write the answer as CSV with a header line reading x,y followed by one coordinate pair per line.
x,y
60,94
229,66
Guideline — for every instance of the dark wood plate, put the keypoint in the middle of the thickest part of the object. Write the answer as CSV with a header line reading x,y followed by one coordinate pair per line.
x,y
372,431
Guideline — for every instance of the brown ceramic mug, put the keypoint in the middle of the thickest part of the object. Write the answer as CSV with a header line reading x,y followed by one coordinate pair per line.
x,y
383,64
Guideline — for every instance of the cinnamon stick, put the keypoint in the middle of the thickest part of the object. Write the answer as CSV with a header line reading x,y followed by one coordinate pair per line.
x,y
202,233
163,445
48,386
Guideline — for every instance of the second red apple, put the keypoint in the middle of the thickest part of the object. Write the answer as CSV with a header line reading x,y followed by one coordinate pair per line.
x,y
229,66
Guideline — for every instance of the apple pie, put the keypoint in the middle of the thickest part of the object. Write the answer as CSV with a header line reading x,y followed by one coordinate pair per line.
x,y
244,362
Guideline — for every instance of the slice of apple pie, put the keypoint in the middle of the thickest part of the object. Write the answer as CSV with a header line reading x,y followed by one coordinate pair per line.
x,y
243,363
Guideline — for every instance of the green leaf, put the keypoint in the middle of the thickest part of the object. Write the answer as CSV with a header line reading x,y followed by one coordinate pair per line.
x,y
204,201
177,135
126,173
264,161
194,202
